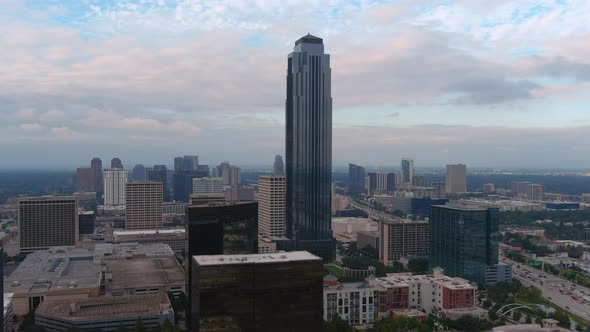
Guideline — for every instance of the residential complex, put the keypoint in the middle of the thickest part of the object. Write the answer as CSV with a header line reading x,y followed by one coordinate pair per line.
x,y
271,205
47,221
407,173
115,180
403,238
536,192
229,173
376,182
143,205
402,294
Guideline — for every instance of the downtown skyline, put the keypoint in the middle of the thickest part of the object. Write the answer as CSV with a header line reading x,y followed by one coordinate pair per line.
x,y
452,82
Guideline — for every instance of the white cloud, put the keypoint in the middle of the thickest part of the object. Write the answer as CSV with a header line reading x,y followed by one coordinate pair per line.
x,y
31,127
24,114
53,116
65,133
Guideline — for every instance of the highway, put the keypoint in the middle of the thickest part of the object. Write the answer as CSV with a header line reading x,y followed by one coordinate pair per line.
x,y
555,289
372,212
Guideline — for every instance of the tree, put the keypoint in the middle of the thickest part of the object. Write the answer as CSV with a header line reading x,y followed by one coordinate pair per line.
x,y
399,324
337,325
516,315
139,325
466,323
167,326
562,318
418,264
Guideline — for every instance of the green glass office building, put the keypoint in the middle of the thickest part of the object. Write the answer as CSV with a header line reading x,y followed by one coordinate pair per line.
x,y
464,241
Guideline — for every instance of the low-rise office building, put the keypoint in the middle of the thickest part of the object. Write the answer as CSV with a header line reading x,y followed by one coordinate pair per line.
x,y
68,273
174,237
105,313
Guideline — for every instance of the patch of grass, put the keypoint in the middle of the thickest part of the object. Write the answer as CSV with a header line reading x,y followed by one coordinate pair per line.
x,y
334,269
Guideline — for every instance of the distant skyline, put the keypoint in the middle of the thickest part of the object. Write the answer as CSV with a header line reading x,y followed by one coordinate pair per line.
x,y
502,84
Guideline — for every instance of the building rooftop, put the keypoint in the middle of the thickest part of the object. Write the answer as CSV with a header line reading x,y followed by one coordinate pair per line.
x,y
104,308
141,232
211,260
224,203
45,198
405,279
397,220
126,250
350,286
144,272
69,267
470,206
309,39
56,268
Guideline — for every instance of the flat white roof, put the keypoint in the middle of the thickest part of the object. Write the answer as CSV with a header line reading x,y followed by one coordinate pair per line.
x,y
149,231
255,258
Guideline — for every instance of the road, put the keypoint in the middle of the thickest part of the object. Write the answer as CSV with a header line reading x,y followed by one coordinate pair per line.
x,y
372,212
555,289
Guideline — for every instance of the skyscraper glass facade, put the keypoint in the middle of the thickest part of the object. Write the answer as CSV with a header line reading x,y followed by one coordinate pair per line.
x,y
270,292
463,240
309,148
356,179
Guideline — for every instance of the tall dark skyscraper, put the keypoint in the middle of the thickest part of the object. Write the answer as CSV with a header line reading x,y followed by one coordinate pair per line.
x,y
190,162
309,148
138,173
183,183
356,179
116,163
464,242
159,173
178,164
96,165
279,166
227,228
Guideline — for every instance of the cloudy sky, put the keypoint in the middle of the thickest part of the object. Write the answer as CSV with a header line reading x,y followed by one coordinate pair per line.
x,y
488,83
